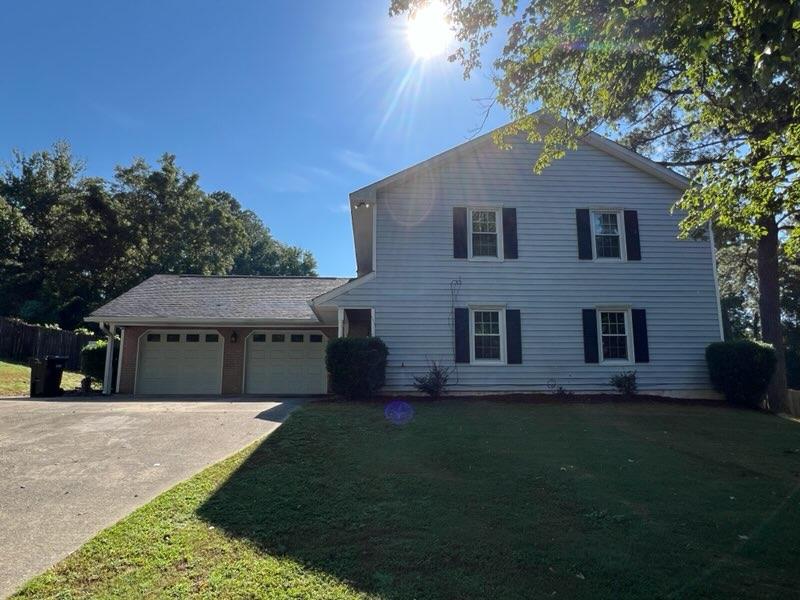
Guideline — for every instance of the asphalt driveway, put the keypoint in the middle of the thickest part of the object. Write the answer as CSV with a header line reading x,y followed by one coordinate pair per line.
x,y
69,469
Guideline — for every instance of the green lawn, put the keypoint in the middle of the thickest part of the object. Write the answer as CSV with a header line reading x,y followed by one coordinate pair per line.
x,y
470,500
15,379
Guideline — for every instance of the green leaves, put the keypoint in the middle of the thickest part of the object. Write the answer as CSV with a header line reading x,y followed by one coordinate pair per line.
x,y
711,88
69,243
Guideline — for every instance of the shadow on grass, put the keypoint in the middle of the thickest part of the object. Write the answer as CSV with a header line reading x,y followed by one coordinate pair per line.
x,y
501,501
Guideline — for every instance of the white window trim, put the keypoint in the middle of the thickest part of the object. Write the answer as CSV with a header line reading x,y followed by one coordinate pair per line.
x,y
623,252
501,310
498,212
628,335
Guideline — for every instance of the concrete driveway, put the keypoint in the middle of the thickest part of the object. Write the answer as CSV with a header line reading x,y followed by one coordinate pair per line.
x,y
69,469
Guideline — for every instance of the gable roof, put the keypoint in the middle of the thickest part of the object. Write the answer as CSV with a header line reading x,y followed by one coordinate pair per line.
x,y
592,139
217,299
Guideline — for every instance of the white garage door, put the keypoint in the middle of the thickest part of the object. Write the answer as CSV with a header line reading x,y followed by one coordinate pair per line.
x,y
179,362
286,362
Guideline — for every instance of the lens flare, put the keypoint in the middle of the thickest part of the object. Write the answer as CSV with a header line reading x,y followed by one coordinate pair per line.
x,y
429,31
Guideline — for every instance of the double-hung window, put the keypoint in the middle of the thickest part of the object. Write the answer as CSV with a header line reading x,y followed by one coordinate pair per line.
x,y
485,239
614,328
607,234
488,334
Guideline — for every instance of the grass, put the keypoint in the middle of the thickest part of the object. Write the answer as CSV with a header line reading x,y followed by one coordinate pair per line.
x,y
470,500
15,379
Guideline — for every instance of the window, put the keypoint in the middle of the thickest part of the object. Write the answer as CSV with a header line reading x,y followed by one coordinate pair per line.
x,y
212,337
259,337
614,335
173,337
278,337
192,337
488,340
153,337
315,338
607,238
485,234
297,337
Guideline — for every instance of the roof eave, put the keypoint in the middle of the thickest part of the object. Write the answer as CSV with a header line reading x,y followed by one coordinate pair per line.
x,y
201,321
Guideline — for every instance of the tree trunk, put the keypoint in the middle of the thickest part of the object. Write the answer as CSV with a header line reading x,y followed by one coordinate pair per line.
x,y
769,304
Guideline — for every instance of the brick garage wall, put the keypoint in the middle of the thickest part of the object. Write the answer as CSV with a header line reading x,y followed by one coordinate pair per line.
x,y
232,359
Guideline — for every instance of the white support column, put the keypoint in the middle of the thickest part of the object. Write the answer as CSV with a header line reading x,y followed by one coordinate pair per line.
x,y
372,322
341,323
109,370
119,359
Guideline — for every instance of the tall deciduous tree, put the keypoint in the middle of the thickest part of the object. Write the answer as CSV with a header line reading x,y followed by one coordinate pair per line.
x,y
709,86
69,243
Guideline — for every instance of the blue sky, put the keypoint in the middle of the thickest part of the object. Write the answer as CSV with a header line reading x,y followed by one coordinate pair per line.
x,y
287,105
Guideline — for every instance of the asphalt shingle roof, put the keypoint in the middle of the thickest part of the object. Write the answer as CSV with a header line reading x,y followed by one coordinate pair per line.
x,y
223,297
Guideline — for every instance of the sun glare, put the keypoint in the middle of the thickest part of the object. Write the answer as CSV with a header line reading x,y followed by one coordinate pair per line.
x,y
429,31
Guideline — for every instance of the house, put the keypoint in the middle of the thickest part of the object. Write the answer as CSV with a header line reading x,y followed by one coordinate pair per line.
x,y
519,281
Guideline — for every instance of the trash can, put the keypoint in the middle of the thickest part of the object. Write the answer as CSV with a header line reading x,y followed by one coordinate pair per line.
x,y
37,377
53,369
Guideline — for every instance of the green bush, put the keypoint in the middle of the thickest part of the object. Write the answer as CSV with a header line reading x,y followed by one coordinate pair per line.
x,y
434,382
93,360
357,366
624,382
741,370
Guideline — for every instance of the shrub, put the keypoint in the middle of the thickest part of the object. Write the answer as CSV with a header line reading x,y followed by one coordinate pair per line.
x,y
624,382
93,360
434,382
357,366
741,370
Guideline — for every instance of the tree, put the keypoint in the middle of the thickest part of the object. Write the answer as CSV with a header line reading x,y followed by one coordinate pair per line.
x,y
263,255
710,87
69,243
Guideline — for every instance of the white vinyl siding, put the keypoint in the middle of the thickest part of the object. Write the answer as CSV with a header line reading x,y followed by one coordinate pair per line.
x,y
414,293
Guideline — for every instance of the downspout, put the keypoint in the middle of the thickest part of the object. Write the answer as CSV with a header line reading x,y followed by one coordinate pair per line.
x,y
108,373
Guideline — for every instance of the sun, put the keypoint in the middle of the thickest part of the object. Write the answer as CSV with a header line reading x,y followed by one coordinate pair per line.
x,y
429,31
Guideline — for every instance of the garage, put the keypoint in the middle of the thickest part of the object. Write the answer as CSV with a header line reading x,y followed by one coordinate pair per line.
x,y
179,362
285,362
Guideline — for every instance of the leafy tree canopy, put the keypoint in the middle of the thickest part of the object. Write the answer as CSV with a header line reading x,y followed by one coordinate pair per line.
x,y
69,242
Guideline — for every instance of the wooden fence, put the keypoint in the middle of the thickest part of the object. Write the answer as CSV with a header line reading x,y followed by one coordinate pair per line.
x,y
20,342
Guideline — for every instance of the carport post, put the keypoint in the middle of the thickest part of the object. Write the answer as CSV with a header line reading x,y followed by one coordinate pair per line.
x,y
109,371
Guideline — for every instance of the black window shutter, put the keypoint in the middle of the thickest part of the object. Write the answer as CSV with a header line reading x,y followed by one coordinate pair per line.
x,y
590,351
513,337
632,246
459,232
641,350
510,233
584,233
461,318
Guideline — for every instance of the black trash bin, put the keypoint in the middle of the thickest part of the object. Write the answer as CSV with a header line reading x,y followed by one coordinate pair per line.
x,y
53,369
37,377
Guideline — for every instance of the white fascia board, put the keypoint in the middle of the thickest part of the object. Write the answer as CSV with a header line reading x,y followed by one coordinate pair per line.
x,y
636,160
328,296
593,139
205,322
